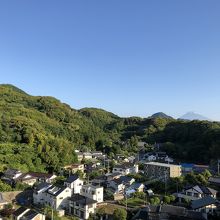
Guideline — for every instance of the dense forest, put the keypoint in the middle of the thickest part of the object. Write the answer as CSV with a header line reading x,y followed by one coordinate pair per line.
x,y
40,133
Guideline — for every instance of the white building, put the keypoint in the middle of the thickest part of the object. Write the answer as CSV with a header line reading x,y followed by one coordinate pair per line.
x,y
39,193
55,197
151,158
74,183
126,168
92,192
27,214
196,192
81,206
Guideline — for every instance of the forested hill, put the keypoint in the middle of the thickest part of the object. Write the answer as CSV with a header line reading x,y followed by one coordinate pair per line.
x,y
40,133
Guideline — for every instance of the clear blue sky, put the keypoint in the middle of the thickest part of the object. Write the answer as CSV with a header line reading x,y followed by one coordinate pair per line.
x,y
131,57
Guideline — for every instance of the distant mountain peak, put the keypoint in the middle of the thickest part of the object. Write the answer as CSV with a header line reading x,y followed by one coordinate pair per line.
x,y
194,116
160,115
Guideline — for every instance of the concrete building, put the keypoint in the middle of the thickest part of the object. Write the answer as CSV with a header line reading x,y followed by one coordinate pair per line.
x,y
81,206
74,183
161,170
92,192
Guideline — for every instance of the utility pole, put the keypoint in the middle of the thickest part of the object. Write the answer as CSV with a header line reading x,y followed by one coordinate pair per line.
x,y
218,167
165,185
52,210
126,199
108,165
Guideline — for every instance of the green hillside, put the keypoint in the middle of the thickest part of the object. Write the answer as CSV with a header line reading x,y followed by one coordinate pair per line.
x,y
40,133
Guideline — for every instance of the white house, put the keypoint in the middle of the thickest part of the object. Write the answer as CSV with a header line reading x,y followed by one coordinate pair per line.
x,y
200,191
57,197
39,193
151,158
54,196
121,183
126,168
92,192
81,206
74,183
117,185
196,192
43,177
27,214
26,179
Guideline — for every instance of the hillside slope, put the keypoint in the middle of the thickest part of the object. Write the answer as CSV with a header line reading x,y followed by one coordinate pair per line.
x,y
40,133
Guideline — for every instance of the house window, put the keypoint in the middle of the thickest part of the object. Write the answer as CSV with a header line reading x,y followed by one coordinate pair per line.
x,y
196,194
188,193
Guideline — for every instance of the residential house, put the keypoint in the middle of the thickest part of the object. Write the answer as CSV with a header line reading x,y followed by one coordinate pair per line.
x,y
10,175
150,157
92,192
91,166
127,180
214,181
43,177
161,155
27,214
200,191
79,156
119,185
87,155
73,168
74,183
135,187
97,154
116,186
168,159
81,206
39,193
54,196
126,168
26,179
84,155
206,204
196,192
131,159
57,197
105,179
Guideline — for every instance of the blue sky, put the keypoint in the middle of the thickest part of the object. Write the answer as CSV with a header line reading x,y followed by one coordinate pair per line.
x,y
129,57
